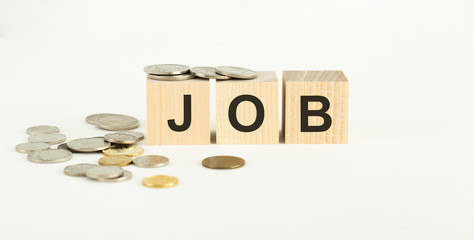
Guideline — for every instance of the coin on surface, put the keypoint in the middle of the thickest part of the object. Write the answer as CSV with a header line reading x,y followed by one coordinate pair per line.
x,y
50,156
101,172
124,150
171,78
236,72
207,72
91,118
64,146
160,181
51,138
166,69
127,175
31,147
78,170
42,129
117,122
94,144
223,162
150,161
140,136
115,161
120,138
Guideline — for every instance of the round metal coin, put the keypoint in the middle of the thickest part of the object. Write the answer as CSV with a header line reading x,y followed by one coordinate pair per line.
x,y
166,69
51,138
50,156
140,136
127,175
124,150
223,162
160,181
151,161
117,122
91,118
94,144
236,72
31,147
78,170
42,129
101,172
171,78
120,138
208,72
119,161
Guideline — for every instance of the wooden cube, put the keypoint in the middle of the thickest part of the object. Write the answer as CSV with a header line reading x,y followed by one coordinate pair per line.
x,y
315,107
178,112
247,110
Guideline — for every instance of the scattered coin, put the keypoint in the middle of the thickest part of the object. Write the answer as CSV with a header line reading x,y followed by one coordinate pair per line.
x,y
101,172
119,161
223,162
160,181
124,150
42,129
30,147
64,146
91,118
166,69
207,72
171,78
140,136
236,72
120,138
51,138
50,156
151,161
94,144
127,175
78,170
117,122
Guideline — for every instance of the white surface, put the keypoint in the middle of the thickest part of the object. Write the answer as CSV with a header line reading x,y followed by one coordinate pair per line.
x,y
408,172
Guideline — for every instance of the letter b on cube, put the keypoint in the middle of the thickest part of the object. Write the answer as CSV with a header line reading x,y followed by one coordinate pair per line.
x,y
315,107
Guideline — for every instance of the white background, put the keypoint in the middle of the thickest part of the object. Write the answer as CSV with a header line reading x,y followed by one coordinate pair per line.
x,y
407,173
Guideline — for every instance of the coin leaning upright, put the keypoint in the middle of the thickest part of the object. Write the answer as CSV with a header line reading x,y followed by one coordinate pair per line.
x,y
166,69
236,72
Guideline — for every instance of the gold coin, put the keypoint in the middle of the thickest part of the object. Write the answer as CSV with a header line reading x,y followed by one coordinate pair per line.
x,y
124,150
223,162
160,181
116,160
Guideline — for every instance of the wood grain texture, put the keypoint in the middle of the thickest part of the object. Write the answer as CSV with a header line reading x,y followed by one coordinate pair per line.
x,y
165,101
331,84
265,88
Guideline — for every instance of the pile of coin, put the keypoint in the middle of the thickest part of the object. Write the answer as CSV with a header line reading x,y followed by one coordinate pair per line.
x,y
177,72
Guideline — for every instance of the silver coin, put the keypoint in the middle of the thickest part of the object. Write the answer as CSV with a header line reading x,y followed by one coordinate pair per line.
x,y
166,69
31,147
50,156
171,78
42,129
117,123
78,170
208,72
119,138
91,118
140,136
51,138
127,175
101,172
151,161
94,144
236,72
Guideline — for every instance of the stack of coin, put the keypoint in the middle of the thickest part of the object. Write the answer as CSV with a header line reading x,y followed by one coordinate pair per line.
x,y
176,72
39,144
